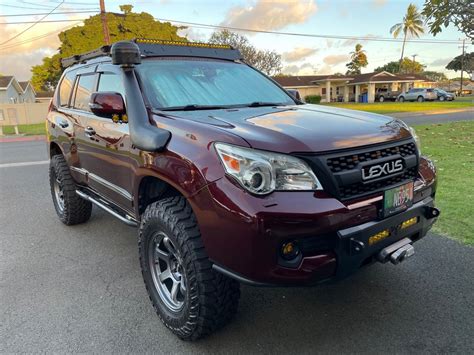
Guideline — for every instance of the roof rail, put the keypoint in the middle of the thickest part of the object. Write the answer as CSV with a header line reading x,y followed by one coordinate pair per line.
x,y
157,48
79,58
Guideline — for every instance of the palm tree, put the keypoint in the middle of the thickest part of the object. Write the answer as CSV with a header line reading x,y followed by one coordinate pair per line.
x,y
358,60
412,24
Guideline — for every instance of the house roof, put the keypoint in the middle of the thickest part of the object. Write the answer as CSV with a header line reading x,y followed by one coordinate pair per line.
x,y
5,81
312,80
24,85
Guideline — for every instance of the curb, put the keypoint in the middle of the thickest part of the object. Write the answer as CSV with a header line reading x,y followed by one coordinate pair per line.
x,y
12,139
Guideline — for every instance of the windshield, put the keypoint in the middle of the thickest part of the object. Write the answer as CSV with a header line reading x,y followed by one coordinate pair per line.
x,y
197,83
441,91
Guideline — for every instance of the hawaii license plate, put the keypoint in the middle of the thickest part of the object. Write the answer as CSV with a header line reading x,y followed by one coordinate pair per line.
x,y
397,199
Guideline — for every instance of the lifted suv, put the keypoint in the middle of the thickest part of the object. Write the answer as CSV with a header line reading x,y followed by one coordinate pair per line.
x,y
228,177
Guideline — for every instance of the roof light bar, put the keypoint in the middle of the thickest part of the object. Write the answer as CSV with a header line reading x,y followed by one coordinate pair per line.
x,y
181,43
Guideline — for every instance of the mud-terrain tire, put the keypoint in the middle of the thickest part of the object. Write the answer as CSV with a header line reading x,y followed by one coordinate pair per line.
x,y
71,209
204,300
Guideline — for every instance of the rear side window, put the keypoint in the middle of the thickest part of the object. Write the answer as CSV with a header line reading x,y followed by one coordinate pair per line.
x,y
65,88
111,82
85,87
429,90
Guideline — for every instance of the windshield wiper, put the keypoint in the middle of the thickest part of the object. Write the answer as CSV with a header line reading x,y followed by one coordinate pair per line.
x,y
263,103
193,107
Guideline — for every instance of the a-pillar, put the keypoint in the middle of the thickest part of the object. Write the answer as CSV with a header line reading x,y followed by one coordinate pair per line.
x,y
371,92
328,91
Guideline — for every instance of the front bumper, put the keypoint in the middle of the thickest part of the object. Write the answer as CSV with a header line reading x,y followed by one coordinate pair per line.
x,y
243,234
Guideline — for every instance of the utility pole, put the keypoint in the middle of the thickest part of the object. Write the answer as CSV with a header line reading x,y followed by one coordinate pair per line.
x,y
105,27
413,67
462,63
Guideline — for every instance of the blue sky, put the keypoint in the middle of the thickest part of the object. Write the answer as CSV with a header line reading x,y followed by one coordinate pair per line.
x,y
301,55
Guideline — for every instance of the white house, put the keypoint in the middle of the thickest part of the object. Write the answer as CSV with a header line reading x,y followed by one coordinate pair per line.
x,y
12,91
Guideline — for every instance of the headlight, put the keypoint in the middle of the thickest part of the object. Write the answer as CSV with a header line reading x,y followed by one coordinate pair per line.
x,y
262,172
416,138
413,134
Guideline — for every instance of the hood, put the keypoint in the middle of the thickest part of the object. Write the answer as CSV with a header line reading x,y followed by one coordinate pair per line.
x,y
302,128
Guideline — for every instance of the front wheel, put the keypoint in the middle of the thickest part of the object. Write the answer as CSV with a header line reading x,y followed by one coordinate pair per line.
x,y
401,99
191,299
381,99
441,98
420,99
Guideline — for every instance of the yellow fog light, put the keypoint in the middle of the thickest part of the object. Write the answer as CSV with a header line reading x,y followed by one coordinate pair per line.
x,y
379,237
289,251
409,222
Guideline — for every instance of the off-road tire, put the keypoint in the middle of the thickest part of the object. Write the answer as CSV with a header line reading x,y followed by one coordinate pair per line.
x,y
211,298
75,210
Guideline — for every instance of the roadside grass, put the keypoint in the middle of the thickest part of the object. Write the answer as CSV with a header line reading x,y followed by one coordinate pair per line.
x,y
26,129
451,147
396,107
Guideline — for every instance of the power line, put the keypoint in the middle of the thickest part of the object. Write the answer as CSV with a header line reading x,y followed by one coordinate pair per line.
x,y
48,21
56,13
380,39
32,39
29,27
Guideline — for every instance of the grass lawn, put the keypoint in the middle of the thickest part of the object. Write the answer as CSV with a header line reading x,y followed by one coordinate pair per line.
x,y
392,107
26,129
451,147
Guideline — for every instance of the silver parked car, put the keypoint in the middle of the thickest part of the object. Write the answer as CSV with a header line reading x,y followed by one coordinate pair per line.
x,y
418,94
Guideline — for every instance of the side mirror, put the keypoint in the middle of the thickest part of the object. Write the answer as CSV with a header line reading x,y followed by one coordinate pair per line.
x,y
107,104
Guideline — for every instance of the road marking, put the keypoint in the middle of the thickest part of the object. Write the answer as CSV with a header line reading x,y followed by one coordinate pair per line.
x,y
28,163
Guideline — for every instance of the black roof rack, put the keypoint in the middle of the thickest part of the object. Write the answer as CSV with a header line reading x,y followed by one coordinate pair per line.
x,y
163,48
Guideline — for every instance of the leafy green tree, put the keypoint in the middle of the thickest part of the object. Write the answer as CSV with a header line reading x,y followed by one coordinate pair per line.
x,y
407,66
456,63
434,75
267,61
412,24
88,37
441,13
358,60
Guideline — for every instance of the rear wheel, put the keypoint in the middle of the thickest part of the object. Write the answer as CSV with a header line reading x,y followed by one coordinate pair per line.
x,y
191,299
401,99
420,99
70,208
441,98
381,99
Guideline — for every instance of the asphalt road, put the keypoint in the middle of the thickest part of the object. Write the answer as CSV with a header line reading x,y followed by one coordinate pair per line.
x,y
79,289
417,118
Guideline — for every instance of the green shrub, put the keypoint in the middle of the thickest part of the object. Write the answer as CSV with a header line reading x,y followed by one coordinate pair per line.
x,y
312,99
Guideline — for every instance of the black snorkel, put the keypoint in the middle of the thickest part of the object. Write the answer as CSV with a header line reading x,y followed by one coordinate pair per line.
x,y
143,134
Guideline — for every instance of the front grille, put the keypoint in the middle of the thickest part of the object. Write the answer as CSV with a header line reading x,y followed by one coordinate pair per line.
x,y
350,161
357,189
341,173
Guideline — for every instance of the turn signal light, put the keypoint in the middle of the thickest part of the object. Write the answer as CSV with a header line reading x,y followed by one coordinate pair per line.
x,y
379,237
409,222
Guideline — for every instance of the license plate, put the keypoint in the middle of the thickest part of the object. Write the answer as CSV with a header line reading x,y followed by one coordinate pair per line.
x,y
397,199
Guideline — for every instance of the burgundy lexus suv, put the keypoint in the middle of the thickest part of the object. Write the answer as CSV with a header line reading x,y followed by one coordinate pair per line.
x,y
228,177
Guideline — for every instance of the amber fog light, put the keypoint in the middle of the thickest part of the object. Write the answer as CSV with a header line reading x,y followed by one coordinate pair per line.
x,y
289,251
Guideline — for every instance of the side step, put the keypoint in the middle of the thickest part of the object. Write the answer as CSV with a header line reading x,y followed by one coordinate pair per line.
x,y
125,218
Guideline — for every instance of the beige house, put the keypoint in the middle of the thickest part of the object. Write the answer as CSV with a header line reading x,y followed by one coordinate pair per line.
x,y
346,88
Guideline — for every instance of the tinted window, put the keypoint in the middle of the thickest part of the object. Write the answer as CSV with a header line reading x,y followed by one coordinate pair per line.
x,y
65,88
429,90
85,87
111,82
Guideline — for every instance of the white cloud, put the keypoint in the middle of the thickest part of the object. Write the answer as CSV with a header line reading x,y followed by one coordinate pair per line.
x,y
441,62
335,59
270,15
303,69
298,54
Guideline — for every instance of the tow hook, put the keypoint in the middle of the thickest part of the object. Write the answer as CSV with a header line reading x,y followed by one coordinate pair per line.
x,y
397,252
431,212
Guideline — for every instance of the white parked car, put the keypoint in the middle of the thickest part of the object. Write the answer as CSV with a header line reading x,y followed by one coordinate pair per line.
x,y
418,94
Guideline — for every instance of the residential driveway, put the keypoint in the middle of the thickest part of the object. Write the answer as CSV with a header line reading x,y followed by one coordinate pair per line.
x,y
79,289
427,118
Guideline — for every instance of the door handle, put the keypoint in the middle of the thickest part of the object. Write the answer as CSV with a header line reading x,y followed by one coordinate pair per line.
x,y
89,131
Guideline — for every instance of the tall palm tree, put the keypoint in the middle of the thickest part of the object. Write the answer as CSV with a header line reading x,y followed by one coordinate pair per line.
x,y
358,60
412,24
